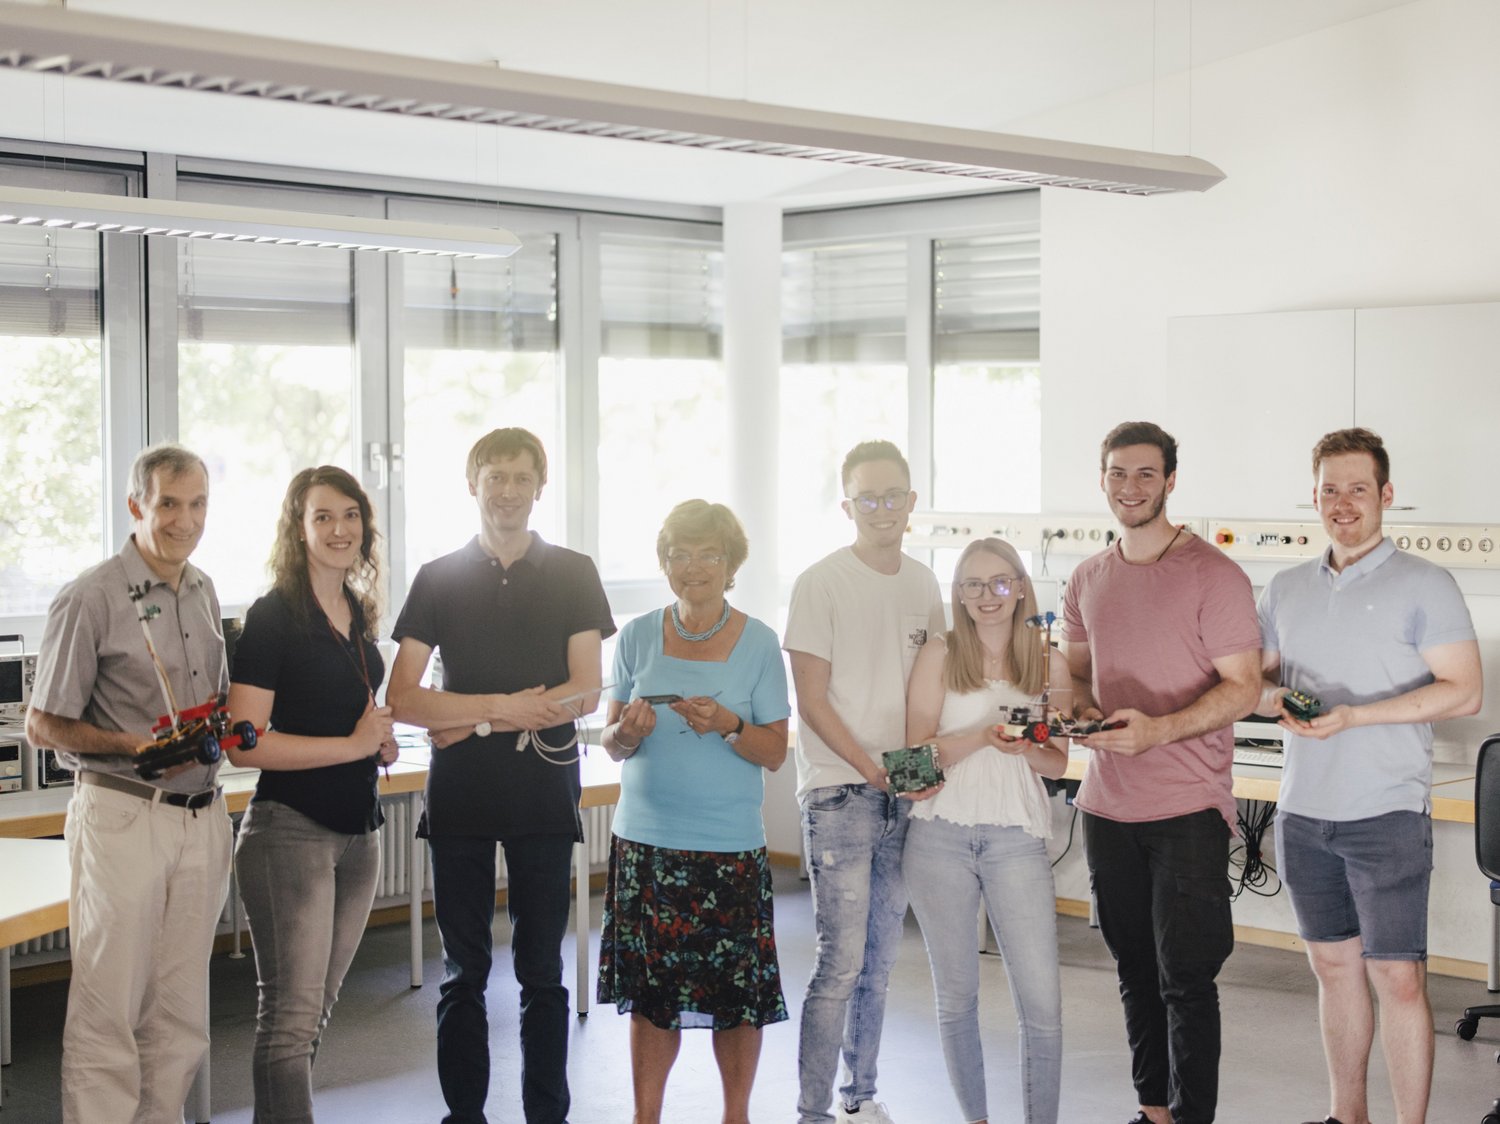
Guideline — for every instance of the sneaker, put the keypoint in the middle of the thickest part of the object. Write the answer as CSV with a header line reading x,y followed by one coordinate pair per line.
x,y
866,1112
1326,1120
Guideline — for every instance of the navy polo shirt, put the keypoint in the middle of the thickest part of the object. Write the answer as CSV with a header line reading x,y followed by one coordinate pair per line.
x,y
500,630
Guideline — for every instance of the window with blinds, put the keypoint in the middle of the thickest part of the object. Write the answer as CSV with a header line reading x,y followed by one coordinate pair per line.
x,y
843,380
844,304
505,304
51,420
663,425
986,378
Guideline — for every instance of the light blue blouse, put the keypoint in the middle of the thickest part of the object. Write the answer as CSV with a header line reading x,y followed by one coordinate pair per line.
x,y
686,791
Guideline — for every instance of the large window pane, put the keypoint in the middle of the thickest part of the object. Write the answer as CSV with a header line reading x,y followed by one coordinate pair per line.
x,y
986,384
481,352
51,440
843,380
265,388
663,429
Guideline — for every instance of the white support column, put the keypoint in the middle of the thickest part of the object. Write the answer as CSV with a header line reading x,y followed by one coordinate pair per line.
x,y
752,366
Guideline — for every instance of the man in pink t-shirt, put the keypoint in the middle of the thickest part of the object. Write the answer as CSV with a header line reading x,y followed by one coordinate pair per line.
x,y
1161,635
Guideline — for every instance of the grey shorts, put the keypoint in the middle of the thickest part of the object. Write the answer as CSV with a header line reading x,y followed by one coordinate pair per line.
x,y
1360,878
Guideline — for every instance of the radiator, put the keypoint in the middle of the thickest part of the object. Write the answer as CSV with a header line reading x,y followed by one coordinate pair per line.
x,y
395,873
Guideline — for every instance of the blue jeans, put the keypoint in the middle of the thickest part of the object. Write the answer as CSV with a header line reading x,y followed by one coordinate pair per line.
x,y
1162,888
307,893
948,868
852,835
463,900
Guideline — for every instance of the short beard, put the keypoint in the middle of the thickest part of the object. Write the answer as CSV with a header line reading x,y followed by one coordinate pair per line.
x,y
1146,514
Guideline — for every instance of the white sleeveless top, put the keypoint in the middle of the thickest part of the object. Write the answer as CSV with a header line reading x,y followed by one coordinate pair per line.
x,y
987,787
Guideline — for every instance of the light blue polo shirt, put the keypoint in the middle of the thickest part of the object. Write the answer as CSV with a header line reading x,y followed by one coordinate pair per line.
x,y
1356,637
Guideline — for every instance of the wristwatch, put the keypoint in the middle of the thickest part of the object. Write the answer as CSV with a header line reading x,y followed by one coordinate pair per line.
x,y
734,735
484,729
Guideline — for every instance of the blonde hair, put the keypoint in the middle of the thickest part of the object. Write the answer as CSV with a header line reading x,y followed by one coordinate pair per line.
x,y
701,521
963,664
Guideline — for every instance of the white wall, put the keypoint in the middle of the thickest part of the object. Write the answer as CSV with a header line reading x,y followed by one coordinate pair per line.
x,y
1361,167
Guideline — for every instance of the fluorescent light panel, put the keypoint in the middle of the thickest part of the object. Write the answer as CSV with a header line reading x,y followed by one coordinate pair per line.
x,y
79,210
85,44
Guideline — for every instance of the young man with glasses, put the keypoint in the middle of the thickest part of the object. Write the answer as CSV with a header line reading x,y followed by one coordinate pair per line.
x,y
1384,641
1160,629
856,623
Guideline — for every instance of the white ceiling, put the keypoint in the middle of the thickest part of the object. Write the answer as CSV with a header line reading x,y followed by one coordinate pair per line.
x,y
974,63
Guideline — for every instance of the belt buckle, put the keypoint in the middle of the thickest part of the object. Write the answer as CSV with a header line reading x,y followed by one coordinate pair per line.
x,y
201,799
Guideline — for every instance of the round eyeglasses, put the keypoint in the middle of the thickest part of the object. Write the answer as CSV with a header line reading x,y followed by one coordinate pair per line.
x,y
894,500
972,589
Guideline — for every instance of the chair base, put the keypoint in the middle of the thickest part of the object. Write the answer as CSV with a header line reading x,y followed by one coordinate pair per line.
x,y
1468,1026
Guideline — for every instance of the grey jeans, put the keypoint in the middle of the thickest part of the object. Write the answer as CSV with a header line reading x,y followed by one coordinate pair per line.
x,y
307,893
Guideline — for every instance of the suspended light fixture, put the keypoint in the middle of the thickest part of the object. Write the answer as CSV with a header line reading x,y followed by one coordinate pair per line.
x,y
85,44
117,214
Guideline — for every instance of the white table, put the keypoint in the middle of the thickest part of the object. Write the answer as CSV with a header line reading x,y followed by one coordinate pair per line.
x,y
33,902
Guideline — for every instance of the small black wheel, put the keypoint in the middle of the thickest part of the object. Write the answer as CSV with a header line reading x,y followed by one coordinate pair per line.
x,y
1466,1029
208,753
1490,1118
148,773
245,731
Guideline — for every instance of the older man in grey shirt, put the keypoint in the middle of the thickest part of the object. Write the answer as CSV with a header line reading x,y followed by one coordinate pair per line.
x,y
150,861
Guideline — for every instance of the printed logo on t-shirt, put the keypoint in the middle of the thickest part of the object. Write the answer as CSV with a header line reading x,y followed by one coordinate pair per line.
x,y
916,638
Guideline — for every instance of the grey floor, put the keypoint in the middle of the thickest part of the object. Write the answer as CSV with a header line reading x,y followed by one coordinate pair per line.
x,y
376,1064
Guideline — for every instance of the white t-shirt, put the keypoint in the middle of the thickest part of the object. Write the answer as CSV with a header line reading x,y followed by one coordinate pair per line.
x,y
869,626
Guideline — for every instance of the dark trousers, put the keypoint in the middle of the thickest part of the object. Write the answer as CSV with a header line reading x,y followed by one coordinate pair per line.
x,y
463,893
1162,889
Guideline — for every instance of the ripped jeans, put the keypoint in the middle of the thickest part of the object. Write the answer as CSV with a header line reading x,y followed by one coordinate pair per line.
x,y
853,836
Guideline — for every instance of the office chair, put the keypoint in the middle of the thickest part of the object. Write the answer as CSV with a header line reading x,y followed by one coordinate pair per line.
x,y
1487,852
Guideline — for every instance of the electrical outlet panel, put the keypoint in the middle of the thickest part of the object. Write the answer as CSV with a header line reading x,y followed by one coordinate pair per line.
x,y
1469,546
1253,540
1062,534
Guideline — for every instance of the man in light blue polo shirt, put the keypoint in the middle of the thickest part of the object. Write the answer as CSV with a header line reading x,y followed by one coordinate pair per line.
x,y
1384,640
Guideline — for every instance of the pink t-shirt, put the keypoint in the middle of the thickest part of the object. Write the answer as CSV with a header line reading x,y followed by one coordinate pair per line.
x,y
1153,631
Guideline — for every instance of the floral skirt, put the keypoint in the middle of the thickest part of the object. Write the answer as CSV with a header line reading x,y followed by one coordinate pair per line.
x,y
687,938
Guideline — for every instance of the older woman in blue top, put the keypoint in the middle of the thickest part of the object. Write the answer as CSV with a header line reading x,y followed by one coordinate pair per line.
x,y
699,711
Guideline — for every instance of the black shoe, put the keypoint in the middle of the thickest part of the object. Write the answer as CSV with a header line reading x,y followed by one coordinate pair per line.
x,y
1326,1120
1139,1118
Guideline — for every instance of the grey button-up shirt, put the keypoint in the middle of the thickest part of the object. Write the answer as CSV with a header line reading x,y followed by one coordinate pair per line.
x,y
93,663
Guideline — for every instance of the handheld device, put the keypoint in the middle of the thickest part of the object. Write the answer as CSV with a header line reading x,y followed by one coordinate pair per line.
x,y
660,700
913,768
1301,705
1035,724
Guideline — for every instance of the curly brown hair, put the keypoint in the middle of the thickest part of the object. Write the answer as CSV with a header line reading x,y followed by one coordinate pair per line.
x,y
289,551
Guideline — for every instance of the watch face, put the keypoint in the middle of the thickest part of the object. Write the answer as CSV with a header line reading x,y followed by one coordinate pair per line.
x,y
483,729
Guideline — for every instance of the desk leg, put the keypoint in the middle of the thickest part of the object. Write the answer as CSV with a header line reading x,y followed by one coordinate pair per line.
x,y
5,1005
416,874
581,921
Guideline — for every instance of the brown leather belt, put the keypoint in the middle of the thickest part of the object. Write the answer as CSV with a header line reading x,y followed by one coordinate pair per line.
x,y
190,800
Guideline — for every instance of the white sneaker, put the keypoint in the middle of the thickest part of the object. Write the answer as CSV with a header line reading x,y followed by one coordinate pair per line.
x,y
868,1112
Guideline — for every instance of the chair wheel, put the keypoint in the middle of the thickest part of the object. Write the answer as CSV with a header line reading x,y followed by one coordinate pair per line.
x,y
1490,1118
1466,1029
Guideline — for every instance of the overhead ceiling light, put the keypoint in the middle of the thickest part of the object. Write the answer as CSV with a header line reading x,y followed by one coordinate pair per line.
x,y
84,44
117,214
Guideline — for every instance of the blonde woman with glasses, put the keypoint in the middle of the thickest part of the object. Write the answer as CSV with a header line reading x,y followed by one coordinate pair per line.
x,y
982,836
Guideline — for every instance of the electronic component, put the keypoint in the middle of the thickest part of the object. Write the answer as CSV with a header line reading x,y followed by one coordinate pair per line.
x,y
660,700
17,675
11,750
1300,706
200,734
912,769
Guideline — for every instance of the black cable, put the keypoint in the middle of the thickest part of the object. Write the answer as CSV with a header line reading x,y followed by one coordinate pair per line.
x,y
1248,857
1072,823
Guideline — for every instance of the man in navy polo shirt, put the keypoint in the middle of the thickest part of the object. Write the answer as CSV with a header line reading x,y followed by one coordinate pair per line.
x,y
1384,640
518,623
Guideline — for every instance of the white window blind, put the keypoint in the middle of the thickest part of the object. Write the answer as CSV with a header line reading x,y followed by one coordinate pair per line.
x,y
507,304
845,303
241,293
987,298
49,282
660,299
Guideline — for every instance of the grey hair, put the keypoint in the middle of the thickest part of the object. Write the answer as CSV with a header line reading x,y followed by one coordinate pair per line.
x,y
170,458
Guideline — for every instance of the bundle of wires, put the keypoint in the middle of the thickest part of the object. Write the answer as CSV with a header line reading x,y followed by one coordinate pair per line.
x,y
1247,856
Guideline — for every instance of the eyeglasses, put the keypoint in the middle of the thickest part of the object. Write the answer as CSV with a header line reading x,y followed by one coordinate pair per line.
x,y
681,560
972,589
893,500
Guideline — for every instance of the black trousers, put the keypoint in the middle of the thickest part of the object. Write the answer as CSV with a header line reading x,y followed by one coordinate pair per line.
x,y
463,899
1162,890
